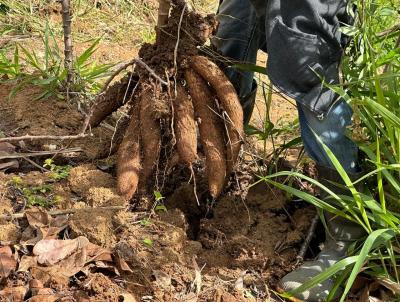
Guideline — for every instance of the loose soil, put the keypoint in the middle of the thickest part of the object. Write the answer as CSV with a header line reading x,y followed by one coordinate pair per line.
x,y
239,246
23,115
233,249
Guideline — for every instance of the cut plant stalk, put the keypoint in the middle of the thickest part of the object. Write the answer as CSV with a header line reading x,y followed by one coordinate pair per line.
x,y
163,14
68,48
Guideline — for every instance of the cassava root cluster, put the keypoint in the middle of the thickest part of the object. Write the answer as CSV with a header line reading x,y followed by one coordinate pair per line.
x,y
166,117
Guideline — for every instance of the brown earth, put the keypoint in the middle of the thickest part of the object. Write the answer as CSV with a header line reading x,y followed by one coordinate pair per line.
x,y
23,115
244,245
234,250
241,249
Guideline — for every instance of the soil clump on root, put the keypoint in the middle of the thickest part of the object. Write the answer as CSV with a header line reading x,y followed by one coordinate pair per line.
x,y
171,74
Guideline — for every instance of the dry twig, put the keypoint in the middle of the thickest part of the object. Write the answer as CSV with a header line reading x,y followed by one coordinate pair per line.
x,y
42,137
60,212
310,233
126,65
39,153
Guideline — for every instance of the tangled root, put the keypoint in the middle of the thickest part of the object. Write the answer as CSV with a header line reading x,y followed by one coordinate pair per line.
x,y
160,118
185,126
229,101
211,131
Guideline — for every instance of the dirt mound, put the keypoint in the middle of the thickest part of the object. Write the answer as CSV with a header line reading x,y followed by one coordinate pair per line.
x,y
83,178
250,242
49,117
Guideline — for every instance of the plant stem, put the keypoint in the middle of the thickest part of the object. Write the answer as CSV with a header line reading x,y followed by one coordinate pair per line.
x,y
163,14
68,53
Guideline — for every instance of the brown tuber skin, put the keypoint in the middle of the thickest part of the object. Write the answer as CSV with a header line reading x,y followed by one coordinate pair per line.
x,y
157,109
112,99
150,134
229,101
128,161
185,126
211,133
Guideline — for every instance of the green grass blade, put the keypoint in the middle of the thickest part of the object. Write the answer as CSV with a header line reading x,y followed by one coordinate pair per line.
x,y
376,238
328,273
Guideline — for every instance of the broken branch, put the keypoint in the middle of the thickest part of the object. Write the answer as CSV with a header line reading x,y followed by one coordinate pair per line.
x,y
42,137
39,153
60,212
307,241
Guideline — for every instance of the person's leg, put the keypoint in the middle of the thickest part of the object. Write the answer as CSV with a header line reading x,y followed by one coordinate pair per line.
x,y
331,130
238,38
341,233
305,45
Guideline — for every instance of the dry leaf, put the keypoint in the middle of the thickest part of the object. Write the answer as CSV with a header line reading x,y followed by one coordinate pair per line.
x,y
374,299
190,297
35,286
73,264
6,250
27,235
389,284
81,296
122,265
48,275
97,253
364,296
44,295
33,283
15,294
239,283
197,279
107,266
127,298
7,262
162,279
35,238
42,226
26,263
51,251
63,270
37,218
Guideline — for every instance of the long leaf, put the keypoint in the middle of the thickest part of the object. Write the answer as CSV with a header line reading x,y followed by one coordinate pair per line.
x,y
374,240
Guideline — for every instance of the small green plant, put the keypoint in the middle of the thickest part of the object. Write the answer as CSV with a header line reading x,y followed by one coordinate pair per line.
x,y
16,181
48,71
35,195
58,172
158,205
147,242
145,222
147,36
38,196
10,68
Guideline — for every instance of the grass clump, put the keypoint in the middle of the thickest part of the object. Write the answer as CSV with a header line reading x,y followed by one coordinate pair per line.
x,y
371,74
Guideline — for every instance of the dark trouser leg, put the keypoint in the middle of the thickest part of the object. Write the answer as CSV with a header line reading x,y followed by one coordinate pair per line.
x,y
305,44
239,36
